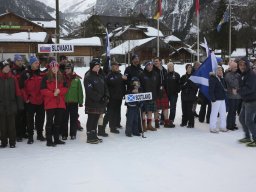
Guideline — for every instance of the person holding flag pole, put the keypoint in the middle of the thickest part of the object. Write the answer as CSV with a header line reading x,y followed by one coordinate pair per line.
x,y
53,89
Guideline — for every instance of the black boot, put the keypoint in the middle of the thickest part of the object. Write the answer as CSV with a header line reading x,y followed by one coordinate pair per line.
x,y
49,142
40,137
101,131
92,137
114,130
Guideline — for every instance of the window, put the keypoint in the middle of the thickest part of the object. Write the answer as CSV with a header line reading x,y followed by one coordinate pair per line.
x,y
79,61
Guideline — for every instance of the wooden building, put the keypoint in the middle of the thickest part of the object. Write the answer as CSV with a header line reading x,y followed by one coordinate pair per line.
x,y
183,55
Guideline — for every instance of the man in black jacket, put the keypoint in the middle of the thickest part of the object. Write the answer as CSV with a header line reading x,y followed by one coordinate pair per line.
x,y
247,91
115,82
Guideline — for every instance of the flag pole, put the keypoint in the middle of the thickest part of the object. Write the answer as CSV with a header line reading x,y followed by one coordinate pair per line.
x,y
229,41
198,29
158,37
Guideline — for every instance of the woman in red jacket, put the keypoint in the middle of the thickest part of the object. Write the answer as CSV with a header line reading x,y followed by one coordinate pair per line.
x,y
53,89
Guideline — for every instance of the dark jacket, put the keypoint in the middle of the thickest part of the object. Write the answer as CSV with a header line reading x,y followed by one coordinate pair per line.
x,y
188,88
132,71
217,88
247,86
173,83
30,84
150,83
232,82
116,85
10,95
96,93
162,75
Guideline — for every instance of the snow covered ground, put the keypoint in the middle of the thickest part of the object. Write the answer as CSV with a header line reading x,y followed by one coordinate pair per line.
x,y
168,160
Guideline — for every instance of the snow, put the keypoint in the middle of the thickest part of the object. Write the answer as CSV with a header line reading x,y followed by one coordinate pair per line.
x,y
123,48
23,37
171,38
151,31
46,24
91,41
177,160
239,52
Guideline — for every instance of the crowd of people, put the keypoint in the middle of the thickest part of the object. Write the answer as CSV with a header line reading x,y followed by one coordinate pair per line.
x,y
32,99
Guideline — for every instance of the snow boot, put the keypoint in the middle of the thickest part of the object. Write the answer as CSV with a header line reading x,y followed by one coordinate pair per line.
x,y
101,131
92,137
149,126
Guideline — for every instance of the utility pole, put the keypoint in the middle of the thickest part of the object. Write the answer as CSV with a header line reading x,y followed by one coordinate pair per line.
x,y
57,25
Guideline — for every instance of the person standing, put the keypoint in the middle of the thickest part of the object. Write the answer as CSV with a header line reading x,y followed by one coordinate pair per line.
x,y
188,97
149,83
162,101
30,83
116,87
73,98
173,89
247,91
9,104
53,89
96,99
217,93
232,81
17,68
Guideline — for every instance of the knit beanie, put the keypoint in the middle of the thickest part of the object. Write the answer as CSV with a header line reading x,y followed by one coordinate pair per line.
x,y
17,57
32,60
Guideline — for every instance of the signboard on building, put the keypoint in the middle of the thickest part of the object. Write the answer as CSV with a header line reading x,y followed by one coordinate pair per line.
x,y
55,48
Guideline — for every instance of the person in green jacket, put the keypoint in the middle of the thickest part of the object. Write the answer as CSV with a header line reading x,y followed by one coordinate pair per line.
x,y
73,98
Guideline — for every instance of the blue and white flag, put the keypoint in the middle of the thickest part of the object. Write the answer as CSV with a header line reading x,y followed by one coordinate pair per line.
x,y
201,76
224,19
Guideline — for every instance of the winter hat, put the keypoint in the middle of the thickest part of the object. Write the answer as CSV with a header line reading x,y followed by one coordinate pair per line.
x,y
135,57
115,63
219,59
17,57
245,59
148,63
32,60
94,61
3,64
187,65
52,64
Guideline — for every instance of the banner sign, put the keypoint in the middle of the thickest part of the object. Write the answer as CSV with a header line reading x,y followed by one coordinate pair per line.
x,y
55,48
138,97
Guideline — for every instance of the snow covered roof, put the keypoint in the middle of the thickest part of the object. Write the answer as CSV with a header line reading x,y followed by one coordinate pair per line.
x,y
151,31
23,37
92,41
191,51
46,24
239,52
172,38
128,46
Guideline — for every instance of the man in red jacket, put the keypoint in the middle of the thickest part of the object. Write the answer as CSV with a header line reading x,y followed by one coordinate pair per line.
x,y
30,83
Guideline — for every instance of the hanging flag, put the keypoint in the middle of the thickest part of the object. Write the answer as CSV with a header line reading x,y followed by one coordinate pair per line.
x,y
224,19
207,50
197,7
107,65
201,76
158,6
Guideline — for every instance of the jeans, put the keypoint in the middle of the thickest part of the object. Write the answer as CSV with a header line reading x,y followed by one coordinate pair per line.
x,y
247,119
